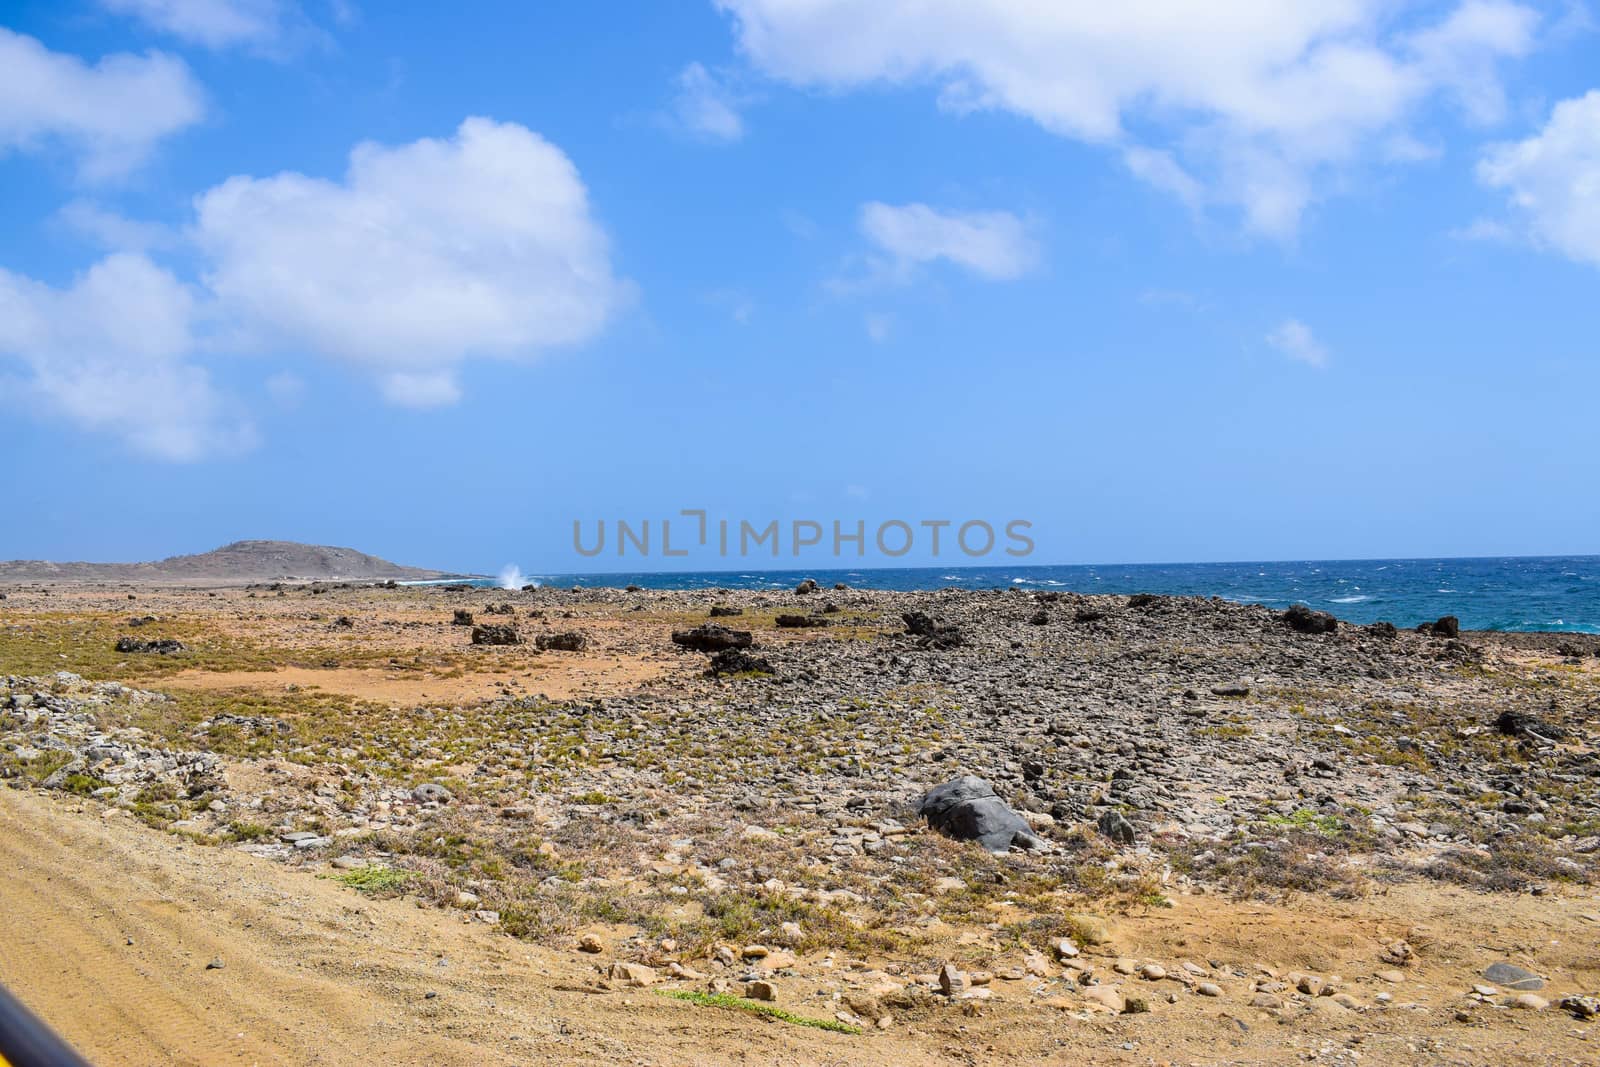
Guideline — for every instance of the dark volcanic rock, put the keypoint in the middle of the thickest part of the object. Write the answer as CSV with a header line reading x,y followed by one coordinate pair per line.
x,y
1384,630
1143,600
938,635
722,611
162,646
807,586
1448,626
570,641
738,661
1083,615
462,617
799,622
712,638
1524,725
967,809
1302,619
494,634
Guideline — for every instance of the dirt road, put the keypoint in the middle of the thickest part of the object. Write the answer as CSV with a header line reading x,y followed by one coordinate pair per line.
x,y
107,930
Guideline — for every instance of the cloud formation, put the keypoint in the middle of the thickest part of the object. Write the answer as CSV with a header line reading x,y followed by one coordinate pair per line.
x,y
422,257
112,352
1245,103
704,107
211,23
1553,178
1294,339
991,244
107,116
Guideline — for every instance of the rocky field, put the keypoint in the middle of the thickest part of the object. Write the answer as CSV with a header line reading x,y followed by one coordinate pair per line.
x,y
1213,827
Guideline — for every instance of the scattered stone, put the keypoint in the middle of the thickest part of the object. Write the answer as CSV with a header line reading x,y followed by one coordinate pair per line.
x,y
1208,989
760,990
806,587
161,646
431,793
711,637
1447,626
1116,826
1511,976
462,617
967,809
495,634
738,661
952,980
567,641
216,964
634,974
1237,690
1108,997
1302,619
1529,1002
933,634
591,943
1513,723
799,622
1581,1007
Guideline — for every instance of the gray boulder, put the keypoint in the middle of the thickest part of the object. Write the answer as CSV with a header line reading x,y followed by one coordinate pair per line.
x,y
967,809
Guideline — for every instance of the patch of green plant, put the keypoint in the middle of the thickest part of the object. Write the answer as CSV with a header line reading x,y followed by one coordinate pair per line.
x,y
375,879
756,1007
1306,819
247,831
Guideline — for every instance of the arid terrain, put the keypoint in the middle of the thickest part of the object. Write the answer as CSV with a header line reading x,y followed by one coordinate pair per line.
x,y
318,823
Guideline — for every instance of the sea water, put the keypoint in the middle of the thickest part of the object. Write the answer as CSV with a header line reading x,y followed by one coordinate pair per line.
x,y
1555,593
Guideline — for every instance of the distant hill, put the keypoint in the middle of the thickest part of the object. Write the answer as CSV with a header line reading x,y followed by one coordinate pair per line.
x,y
235,564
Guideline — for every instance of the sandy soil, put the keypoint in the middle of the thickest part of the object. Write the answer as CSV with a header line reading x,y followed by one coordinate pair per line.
x,y
108,929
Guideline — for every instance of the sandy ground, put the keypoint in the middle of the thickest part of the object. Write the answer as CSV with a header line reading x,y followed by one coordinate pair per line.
x,y
108,928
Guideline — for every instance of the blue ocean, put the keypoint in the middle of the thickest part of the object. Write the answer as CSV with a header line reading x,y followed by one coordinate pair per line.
x,y
1556,593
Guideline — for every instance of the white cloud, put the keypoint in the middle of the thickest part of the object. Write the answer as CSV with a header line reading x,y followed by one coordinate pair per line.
x,y
991,244
212,23
1492,231
420,389
425,255
109,116
1242,102
1553,178
114,231
111,353
704,107
1294,339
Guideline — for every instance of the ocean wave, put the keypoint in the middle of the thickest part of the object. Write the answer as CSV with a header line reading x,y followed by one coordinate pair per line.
x,y
1358,598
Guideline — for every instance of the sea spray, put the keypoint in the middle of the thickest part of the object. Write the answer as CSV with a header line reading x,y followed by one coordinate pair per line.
x,y
511,577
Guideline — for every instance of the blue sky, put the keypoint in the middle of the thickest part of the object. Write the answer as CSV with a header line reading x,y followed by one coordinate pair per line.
x,y
1169,281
